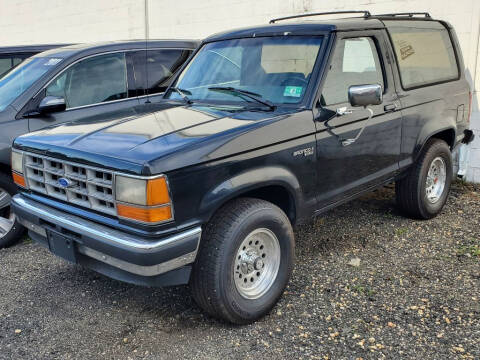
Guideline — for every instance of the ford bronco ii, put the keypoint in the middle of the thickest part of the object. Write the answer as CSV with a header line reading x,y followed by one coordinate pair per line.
x,y
262,128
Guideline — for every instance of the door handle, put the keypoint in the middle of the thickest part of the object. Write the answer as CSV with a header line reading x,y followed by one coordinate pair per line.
x,y
346,142
343,111
390,107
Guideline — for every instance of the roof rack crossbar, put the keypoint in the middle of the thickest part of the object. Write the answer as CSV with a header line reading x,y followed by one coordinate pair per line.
x,y
408,14
365,13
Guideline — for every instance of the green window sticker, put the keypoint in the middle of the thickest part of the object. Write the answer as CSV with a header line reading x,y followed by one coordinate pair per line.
x,y
293,91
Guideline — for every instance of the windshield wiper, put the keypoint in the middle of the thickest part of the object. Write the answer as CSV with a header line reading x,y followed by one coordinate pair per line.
x,y
182,93
245,93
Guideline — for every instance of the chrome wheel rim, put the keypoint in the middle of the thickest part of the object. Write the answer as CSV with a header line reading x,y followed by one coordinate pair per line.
x,y
7,217
256,263
436,180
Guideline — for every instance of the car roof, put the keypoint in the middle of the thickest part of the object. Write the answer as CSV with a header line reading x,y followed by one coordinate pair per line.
x,y
305,27
94,48
29,48
313,27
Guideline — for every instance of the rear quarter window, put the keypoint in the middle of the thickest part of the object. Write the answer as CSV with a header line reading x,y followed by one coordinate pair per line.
x,y
424,53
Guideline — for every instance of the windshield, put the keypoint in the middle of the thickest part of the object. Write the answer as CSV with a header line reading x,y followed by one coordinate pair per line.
x,y
19,79
276,69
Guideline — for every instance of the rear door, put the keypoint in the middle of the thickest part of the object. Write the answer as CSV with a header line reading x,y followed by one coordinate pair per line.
x,y
358,58
92,86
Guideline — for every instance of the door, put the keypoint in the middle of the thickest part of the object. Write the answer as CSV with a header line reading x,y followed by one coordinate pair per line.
x,y
345,166
90,87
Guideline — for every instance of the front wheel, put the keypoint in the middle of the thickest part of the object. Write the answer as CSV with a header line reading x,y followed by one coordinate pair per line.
x,y
424,191
10,229
244,262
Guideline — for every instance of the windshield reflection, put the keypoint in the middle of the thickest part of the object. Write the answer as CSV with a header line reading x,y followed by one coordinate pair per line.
x,y
277,69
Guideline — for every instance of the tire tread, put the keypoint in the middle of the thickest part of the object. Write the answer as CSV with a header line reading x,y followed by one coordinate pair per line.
x,y
206,269
16,232
407,189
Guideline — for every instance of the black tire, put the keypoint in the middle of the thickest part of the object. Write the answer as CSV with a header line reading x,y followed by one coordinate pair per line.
x,y
15,233
212,282
411,191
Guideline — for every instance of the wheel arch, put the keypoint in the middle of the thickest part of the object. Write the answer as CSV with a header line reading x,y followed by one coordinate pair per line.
x,y
271,183
447,134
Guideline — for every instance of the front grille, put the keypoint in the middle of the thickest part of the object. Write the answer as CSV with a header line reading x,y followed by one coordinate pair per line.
x,y
90,187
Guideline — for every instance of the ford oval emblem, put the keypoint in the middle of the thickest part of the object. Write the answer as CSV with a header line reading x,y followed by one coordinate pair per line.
x,y
64,183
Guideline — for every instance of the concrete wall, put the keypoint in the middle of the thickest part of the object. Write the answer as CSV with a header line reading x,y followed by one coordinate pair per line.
x,y
45,21
66,21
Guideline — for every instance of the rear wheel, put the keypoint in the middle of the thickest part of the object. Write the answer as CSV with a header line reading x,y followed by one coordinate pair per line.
x,y
245,261
424,191
10,229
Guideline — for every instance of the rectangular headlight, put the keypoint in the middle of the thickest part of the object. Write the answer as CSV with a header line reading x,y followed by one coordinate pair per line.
x,y
17,162
131,190
143,199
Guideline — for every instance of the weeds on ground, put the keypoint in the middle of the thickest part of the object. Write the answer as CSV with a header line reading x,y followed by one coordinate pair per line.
x,y
471,249
364,290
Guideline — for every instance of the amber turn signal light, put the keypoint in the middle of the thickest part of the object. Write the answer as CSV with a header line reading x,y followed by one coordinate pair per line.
x,y
142,191
146,215
19,180
157,192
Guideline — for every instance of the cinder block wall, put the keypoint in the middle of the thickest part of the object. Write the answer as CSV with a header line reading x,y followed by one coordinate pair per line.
x,y
65,21
57,21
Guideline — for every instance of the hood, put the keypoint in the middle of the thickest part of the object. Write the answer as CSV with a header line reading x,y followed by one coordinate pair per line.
x,y
144,135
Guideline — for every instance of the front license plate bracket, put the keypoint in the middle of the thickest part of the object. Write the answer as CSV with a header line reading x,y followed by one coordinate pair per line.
x,y
62,246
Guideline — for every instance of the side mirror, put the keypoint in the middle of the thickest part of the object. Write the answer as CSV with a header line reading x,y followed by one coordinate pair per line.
x,y
51,104
364,95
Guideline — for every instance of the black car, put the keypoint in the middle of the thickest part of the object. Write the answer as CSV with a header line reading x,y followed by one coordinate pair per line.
x,y
263,128
11,56
75,82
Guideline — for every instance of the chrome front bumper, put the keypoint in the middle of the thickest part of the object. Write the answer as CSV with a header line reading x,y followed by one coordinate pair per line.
x,y
136,255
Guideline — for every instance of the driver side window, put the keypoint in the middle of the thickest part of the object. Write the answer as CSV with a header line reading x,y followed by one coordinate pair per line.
x,y
355,62
94,80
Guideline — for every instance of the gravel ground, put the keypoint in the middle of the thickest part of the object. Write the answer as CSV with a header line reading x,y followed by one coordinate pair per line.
x,y
368,284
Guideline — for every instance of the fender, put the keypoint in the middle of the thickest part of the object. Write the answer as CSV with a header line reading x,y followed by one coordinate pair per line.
x,y
425,136
435,118
4,155
251,180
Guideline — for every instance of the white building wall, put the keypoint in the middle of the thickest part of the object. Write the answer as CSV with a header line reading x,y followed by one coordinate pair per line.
x,y
473,155
57,21
66,21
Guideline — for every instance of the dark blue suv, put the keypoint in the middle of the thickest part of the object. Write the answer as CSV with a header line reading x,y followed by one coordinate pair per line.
x,y
263,128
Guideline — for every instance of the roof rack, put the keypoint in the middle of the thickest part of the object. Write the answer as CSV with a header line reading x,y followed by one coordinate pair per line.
x,y
365,13
411,14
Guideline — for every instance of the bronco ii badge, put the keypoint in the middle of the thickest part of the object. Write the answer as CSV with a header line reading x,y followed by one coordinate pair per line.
x,y
304,152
